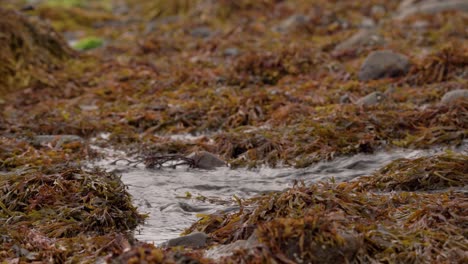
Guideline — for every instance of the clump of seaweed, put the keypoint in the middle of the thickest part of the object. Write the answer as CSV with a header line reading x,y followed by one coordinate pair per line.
x,y
444,65
148,253
421,174
336,222
31,51
57,210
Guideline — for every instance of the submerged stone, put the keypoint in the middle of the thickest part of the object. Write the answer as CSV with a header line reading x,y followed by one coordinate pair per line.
x,y
206,160
383,64
454,95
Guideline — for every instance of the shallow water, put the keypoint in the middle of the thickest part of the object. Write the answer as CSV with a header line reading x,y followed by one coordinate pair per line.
x,y
163,193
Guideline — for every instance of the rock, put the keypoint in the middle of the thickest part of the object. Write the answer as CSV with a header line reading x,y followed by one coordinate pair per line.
x,y
58,140
371,99
206,160
231,52
344,99
383,64
408,8
364,37
201,32
454,95
191,208
229,249
292,23
194,240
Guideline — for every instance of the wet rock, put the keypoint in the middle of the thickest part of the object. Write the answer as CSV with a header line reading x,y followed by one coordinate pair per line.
x,y
191,208
194,240
292,23
364,37
57,140
383,64
201,32
371,99
408,8
206,160
454,95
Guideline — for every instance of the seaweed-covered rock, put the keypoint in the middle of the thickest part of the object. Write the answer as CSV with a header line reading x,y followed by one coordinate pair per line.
x,y
31,50
371,99
206,160
454,95
383,64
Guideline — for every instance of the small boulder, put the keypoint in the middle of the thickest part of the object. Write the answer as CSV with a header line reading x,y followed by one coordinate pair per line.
x,y
363,38
383,64
206,160
454,95
371,99
194,240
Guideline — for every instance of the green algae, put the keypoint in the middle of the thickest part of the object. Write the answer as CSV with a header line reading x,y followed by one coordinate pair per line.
x,y
88,43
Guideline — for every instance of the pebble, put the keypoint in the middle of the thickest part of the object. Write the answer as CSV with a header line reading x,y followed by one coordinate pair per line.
x,y
383,64
371,99
454,95
201,32
232,52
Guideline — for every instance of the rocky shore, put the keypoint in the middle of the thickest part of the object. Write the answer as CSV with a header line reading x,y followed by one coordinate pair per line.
x,y
259,83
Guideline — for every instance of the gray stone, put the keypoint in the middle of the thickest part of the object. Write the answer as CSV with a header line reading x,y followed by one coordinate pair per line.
x,y
408,8
344,99
201,32
59,140
454,95
206,160
371,99
383,64
364,37
231,52
194,240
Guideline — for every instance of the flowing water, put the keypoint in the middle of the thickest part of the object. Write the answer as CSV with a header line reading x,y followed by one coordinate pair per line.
x,y
169,196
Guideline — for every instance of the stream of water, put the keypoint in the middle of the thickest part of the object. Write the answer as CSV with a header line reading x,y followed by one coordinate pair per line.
x,y
163,193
